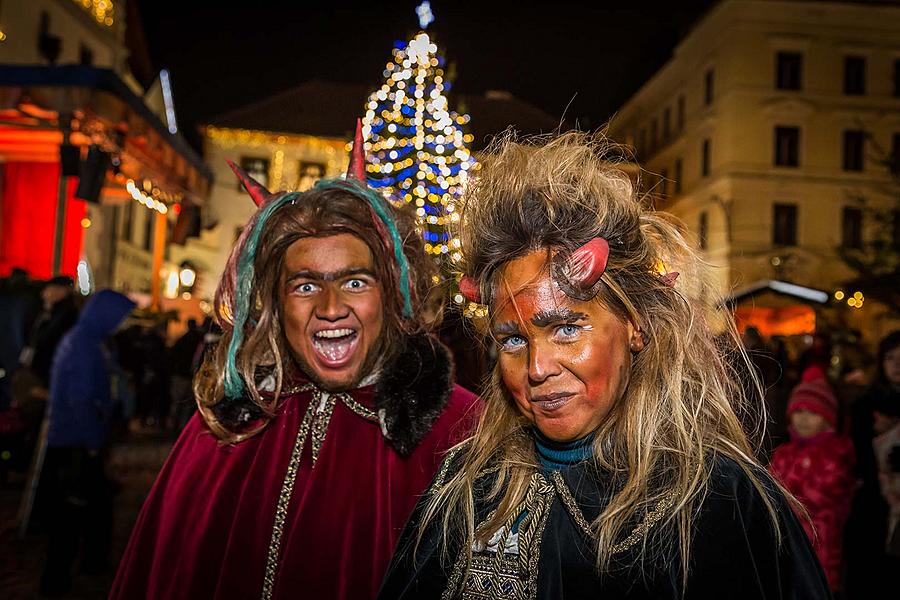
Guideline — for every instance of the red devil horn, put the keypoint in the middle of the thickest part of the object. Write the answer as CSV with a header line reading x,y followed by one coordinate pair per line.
x,y
256,190
587,264
357,168
669,278
469,289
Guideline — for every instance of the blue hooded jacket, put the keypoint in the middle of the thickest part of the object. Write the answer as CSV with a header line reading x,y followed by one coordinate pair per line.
x,y
81,404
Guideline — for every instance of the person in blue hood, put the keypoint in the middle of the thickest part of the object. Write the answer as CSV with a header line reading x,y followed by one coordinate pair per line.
x,y
81,410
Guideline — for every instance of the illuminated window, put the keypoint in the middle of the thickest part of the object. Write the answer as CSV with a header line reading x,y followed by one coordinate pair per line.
x,y
310,173
788,70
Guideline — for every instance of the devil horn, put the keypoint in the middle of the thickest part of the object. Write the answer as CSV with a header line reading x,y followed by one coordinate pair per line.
x,y
357,168
469,289
587,263
256,190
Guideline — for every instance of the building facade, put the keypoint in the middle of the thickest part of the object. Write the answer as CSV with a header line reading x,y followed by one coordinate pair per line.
x,y
71,110
768,133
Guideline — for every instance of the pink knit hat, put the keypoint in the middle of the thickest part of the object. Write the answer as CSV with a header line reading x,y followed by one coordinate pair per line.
x,y
815,396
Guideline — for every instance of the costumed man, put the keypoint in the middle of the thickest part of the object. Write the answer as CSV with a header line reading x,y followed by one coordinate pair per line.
x,y
324,410
609,460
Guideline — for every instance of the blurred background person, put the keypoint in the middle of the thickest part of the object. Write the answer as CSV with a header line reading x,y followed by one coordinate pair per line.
x,y
80,415
870,569
816,466
182,367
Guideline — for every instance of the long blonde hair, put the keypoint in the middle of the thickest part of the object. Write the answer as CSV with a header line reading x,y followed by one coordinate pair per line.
x,y
691,395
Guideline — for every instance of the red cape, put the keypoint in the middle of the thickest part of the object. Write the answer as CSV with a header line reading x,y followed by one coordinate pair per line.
x,y
205,529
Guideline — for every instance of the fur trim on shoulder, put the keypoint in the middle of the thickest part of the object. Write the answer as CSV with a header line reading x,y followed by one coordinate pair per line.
x,y
413,390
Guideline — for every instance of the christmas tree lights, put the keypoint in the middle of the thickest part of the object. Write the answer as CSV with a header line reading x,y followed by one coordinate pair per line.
x,y
416,146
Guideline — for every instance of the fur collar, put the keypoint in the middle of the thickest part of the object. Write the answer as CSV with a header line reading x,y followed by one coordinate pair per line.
x,y
413,390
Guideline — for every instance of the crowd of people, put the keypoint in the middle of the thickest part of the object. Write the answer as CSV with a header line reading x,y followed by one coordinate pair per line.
x,y
75,374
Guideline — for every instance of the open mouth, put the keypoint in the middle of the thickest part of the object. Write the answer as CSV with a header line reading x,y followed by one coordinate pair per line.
x,y
334,347
552,402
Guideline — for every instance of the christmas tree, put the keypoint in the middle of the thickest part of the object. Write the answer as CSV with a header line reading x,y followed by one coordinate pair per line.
x,y
416,147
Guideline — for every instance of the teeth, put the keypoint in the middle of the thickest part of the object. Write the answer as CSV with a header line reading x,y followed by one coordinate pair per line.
x,y
334,333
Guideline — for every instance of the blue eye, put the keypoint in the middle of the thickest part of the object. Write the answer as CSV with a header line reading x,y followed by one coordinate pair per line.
x,y
568,331
512,342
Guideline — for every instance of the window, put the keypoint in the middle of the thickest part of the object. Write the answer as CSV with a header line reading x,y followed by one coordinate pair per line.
x,y
148,229
784,225
664,184
654,133
851,228
787,146
708,87
85,55
897,78
257,168
854,142
310,173
677,176
642,141
854,75
681,116
667,123
704,159
128,222
788,70
703,230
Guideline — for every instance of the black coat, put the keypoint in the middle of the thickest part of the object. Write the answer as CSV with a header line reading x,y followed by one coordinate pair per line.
x,y
734,552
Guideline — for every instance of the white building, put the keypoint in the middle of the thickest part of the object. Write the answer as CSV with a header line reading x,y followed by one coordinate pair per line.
x,y
769,122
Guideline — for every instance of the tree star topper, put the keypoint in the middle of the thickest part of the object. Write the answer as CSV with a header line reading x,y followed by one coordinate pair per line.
x,y
426,17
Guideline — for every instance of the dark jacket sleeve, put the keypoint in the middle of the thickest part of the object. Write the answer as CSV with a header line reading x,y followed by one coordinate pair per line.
x,y
421,571
736,551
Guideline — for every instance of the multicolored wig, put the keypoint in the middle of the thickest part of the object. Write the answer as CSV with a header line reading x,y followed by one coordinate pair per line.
x,y
247,299
684,404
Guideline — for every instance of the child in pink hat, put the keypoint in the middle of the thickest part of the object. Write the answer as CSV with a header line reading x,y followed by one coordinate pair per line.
x,y
816,465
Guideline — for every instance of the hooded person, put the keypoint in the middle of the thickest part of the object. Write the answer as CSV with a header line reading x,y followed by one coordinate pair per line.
x,y
324,410
80,414
610,459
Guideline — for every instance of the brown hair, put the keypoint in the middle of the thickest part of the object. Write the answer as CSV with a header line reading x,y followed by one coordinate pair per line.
x,y
321,212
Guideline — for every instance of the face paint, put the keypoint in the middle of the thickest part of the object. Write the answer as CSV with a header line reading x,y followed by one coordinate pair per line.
x,y
332,309
564,361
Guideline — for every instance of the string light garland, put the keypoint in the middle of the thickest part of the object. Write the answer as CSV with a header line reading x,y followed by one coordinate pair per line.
x,y
416,146
103,11
151,196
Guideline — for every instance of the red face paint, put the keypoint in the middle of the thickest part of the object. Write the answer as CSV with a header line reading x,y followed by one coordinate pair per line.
x,y
564,361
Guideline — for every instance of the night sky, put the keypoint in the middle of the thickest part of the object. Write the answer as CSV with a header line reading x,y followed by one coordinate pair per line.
x,y
588,56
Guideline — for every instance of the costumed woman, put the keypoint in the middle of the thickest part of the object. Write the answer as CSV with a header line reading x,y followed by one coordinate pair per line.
x,y
611,459
324,411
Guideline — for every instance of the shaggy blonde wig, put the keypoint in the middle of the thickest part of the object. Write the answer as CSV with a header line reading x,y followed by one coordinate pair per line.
x,y
690,397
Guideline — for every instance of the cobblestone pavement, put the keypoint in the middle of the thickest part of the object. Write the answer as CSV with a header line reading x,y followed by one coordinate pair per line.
x,y
133,464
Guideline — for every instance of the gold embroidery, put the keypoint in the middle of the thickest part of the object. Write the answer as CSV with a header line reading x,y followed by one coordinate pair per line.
x,y
499,574
315,421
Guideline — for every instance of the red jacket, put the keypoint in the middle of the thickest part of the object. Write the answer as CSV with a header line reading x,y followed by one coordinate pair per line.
x,y
819,472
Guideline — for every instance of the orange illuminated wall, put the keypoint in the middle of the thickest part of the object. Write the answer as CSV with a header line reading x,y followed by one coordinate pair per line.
x,y
28,219
788,320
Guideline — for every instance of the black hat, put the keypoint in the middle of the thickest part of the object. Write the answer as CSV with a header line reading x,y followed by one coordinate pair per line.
x,y
63,280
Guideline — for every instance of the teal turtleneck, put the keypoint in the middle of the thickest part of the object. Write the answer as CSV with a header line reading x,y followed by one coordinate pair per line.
x,y
555,456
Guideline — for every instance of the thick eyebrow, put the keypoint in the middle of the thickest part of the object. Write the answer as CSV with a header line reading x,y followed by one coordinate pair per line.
x,y
557,315
330,276
507,328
